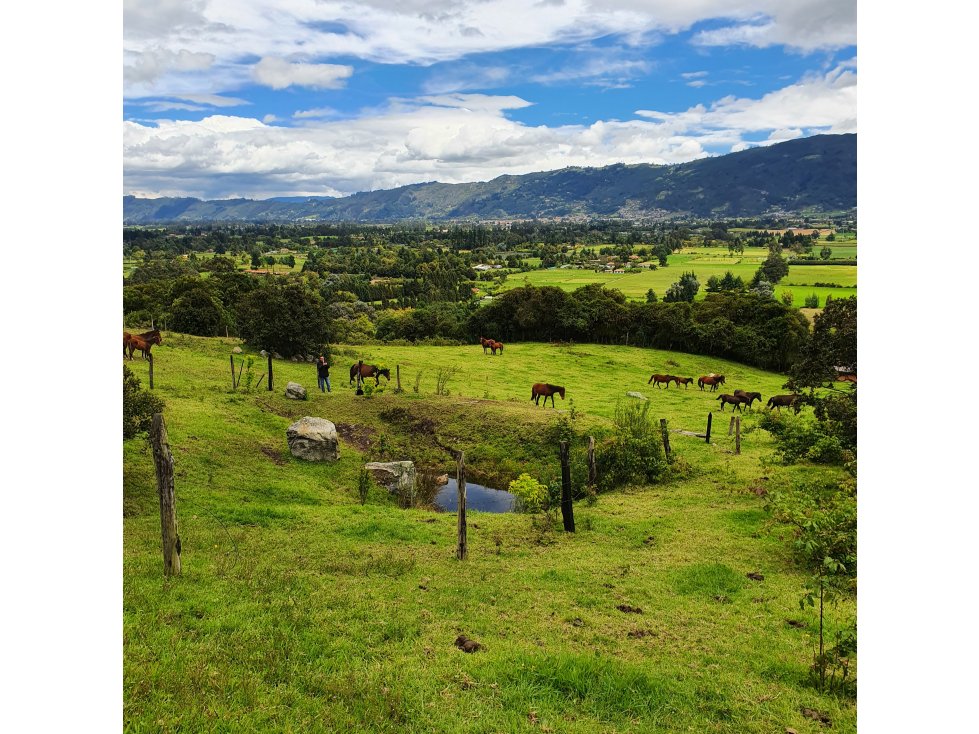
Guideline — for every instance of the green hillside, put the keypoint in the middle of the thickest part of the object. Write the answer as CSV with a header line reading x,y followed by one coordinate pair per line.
x,y
299,609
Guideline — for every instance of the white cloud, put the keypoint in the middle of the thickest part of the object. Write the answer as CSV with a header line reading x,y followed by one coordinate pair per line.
x,y
602,71
214,100
148,66
318,112
278,73
697,83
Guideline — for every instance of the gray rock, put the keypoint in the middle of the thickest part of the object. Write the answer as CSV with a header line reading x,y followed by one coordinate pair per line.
x,y
397,476
637,395
313,439
264,353
295,391
276,355
236,350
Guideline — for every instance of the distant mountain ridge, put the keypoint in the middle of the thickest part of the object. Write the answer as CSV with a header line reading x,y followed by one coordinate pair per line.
x,y
817,173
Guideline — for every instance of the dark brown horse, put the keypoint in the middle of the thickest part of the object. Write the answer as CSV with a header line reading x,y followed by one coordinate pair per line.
x,y
547,390
486,344
684,380
143,342
369,370
712,380
785,401
751,396
735,400
658,379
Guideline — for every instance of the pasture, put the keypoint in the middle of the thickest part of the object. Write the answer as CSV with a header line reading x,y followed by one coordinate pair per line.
x,y
299,609
705,262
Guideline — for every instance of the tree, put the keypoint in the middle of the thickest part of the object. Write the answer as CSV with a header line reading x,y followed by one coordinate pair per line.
x,y
826,253
787,298
764,289
684,289
773,269
138,405
650,296
198,312
713,284
256,259
286,317
812,301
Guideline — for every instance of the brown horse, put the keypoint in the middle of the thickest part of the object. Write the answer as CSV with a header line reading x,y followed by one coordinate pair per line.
x,y
547,390
712,380
735,400
684,380
751,396
143,342
658,379
496,345
785,401
369,370
486,344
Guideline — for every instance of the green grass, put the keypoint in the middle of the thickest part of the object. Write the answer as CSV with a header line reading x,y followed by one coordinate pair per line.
x,y
301,610
705,262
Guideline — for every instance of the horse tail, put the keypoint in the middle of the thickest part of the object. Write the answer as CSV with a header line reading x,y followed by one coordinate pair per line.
x,y
533,392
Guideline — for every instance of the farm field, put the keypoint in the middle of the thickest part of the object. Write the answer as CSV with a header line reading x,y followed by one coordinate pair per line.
x,y
299,609
705,262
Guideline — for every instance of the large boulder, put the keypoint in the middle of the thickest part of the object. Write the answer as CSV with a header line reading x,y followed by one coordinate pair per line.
x,y
637,395
295,391
397,476
313,439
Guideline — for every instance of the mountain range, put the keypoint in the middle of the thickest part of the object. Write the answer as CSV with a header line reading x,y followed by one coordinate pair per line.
x,y
814,174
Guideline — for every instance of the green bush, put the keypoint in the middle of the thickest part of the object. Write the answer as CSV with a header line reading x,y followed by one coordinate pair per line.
x,y
634,455
533,496
138,405
812,301
802,438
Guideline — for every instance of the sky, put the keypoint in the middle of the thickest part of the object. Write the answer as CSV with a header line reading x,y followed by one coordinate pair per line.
x,y
255,99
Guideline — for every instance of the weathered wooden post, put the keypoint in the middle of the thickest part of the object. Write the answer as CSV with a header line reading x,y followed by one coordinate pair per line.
x,y
730,428
567,510
150,357
397,369
270,371
710,416
462,548
234,385
592,467
666,437
737,436
163,460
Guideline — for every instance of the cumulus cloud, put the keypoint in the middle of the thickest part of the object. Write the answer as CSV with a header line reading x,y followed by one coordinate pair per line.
x,y
278,73
148,66
455,138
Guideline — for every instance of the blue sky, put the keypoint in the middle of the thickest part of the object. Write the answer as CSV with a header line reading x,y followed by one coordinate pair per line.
x,y
318,98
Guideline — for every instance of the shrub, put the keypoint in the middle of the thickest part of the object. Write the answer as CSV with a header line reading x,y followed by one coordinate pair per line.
x,y
533,496
634,455
801,438
138,405
787,298
812,301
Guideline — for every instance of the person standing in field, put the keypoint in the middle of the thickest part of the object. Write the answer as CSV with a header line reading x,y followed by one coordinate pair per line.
x,y
323,374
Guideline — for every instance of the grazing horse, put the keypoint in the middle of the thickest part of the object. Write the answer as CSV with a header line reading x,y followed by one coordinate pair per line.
x,y
712,380
735,400
751,396
685,380
143,342
369,370
496,345
784,401
547,390
660,379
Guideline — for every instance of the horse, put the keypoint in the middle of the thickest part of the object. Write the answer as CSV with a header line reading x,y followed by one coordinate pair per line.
x,y
143,342
735,400
784,401
685,380
369,370
486,344
660,379
712,380
496,345
547,390
752,396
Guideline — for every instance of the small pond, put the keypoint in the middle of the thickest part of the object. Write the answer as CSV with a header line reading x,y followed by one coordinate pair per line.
x,y
478,497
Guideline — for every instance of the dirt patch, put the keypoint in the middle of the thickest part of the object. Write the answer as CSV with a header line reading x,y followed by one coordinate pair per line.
x,y
274,454
358,436
629,609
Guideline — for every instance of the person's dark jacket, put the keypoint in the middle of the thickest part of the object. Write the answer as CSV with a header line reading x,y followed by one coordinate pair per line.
x,y
322,369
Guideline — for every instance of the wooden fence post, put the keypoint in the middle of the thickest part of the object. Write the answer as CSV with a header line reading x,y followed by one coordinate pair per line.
x,y
163,460
730,428
567,510
234,385
397,368
150,357
710,416
737,436
270,371
462,548
592,467
666,437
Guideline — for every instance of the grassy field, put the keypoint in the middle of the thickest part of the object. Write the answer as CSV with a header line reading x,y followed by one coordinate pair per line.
x,y
705,262
299,609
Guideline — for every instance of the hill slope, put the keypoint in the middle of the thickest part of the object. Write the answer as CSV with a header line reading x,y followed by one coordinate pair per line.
x,y
815,173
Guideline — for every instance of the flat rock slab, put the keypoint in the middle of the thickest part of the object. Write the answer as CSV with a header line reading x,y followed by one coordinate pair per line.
x,y
296,391
313,439
637,395
397,476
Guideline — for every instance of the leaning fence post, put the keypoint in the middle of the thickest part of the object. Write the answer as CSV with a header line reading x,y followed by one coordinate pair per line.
x,y
710,416
592,468
150,357
567,510
234,385
461,548
163,460
730,428
737,436
270,371
666,437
